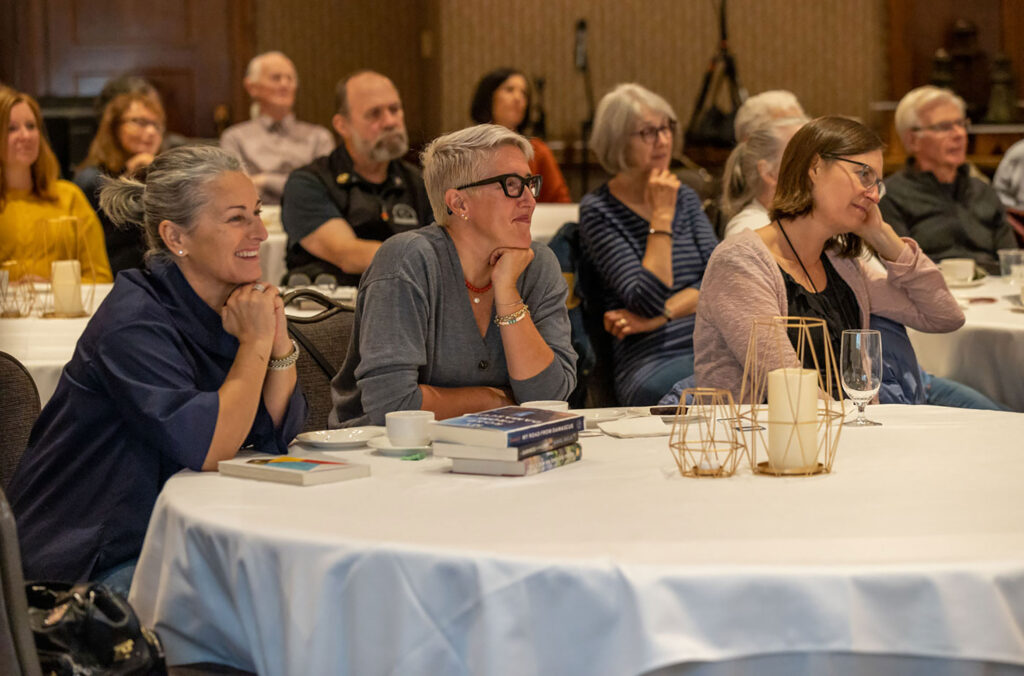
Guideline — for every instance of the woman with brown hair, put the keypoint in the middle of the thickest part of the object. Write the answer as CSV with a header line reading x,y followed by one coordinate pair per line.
x,y
31,193
806,261
129,137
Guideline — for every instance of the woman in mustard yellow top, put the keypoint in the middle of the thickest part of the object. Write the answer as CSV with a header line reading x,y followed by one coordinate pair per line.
x,y
31,193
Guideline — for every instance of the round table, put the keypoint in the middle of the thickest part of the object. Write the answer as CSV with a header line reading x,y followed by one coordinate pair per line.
x,y
913,547
987,352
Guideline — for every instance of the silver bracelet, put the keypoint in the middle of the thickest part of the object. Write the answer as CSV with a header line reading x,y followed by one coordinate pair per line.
x,y
286,361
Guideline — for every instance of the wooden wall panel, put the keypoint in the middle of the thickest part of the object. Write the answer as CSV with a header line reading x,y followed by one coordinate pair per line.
x,y
330,38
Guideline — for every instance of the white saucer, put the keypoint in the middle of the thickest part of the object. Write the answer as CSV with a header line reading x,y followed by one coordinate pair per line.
x,y
348,437
384,447
591,418
966,285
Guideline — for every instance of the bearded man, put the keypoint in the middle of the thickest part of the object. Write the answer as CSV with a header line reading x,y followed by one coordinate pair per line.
x,y
338,209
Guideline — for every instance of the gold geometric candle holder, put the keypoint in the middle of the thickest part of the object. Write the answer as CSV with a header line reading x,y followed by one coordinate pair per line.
x,y
700,445
794,419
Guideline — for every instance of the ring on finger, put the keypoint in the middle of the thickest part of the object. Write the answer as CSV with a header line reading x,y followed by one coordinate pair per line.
x,y
258,287
622,321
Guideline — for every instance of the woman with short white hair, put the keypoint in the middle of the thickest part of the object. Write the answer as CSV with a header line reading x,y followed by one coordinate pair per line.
x,y
468,314
762,108
752,172
649,240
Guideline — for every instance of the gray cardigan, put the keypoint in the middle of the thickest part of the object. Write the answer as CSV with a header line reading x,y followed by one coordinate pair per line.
x,y
414,325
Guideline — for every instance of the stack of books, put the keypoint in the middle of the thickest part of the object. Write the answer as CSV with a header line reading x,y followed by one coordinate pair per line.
x,y
509,441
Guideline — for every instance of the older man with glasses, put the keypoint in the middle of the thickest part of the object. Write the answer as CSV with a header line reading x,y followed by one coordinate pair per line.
x,y
934,198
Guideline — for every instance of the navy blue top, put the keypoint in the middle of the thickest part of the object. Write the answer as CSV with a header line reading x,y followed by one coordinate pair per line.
x,y
615,237
137,402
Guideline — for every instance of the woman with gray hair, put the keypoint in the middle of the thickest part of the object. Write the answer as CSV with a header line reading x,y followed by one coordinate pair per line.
x,y
649,240
468,314
752,172
182,364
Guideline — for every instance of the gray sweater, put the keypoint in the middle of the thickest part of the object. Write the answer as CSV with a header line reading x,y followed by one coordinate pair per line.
x,y
414,325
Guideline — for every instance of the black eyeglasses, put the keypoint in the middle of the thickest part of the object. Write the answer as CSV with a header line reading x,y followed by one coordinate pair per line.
x,y
945,127
651,134
866,174
512,184
143,123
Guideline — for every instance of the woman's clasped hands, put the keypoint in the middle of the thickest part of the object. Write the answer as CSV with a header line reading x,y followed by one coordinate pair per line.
x,y
254,313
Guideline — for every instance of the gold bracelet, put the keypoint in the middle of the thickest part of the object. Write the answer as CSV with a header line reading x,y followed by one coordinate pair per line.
x,y
518,302
652,231
513,318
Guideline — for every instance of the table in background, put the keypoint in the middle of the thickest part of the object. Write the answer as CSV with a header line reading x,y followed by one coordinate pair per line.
x,y
43,346
549,218
987,352
913,547
274,248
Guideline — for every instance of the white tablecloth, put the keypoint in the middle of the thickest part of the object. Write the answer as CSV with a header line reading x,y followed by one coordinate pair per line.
x,y
45,345
548,218
987,353
613,565
272,253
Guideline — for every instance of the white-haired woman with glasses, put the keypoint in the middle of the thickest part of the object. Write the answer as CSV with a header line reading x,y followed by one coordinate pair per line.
x,y
468,314
182,364
934,198
649,240
807,262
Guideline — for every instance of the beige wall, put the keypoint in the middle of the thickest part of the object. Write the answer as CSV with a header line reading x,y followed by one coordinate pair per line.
x,y
832,53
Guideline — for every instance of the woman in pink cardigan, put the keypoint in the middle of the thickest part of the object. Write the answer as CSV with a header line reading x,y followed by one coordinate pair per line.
x,y
806,262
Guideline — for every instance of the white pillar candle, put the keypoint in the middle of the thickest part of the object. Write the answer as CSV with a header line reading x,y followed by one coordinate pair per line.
x,y
66,281
792,415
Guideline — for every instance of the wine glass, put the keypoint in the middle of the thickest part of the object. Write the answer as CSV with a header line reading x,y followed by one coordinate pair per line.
x,y
861,368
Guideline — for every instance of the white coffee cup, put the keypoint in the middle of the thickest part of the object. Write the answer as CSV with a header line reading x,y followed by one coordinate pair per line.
x,y
408,429
547,404
957,270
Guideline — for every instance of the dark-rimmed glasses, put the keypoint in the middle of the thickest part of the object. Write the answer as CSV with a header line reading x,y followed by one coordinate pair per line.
x,y
143,123
866,174
511,184
945,127
651,134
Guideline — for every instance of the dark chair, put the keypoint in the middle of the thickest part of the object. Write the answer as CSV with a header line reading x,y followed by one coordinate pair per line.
x,y
323,343
17,646
594,375
18,412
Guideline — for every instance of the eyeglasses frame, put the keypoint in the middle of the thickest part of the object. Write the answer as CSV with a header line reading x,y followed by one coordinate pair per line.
x,y
879,184
500,180
671,126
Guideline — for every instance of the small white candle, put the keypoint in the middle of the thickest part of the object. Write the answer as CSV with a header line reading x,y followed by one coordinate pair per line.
x,y
792,415
66,281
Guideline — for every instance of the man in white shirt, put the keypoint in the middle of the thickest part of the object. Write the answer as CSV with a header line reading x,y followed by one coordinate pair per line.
x,y
274,143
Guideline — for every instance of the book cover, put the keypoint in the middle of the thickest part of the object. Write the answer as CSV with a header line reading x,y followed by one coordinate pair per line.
x,y
507,453
506,426
542,462
292,470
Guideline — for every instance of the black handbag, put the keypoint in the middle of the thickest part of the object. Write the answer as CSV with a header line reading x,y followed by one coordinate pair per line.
x,y
89,630
709,124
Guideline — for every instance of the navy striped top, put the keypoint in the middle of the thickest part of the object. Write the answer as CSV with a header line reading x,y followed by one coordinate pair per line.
x,y
614,237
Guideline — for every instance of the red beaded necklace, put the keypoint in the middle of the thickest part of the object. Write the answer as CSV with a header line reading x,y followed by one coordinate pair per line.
x,y
477,289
